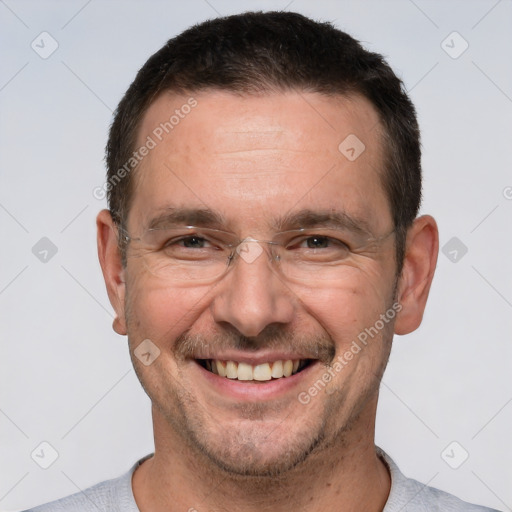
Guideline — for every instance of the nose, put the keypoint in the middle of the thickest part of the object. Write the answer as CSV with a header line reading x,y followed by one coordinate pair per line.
x,y
252,295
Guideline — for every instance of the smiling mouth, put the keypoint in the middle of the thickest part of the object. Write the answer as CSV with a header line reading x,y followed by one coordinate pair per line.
x,y
260,372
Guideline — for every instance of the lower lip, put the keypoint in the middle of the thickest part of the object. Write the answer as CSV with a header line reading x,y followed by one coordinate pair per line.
x,y
256,390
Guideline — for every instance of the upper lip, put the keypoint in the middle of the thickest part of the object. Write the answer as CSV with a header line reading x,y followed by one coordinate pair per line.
x,y
254,358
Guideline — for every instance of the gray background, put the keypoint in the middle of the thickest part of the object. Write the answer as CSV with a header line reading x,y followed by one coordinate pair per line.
x,y
66,377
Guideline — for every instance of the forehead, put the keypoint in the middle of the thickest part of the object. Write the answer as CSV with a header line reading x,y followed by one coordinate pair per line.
x,y
254,158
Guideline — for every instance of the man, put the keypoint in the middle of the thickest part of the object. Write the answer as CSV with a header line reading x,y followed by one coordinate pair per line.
x,y
260,250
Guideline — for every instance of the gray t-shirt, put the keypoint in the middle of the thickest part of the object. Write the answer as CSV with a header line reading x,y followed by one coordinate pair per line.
x,y
406,495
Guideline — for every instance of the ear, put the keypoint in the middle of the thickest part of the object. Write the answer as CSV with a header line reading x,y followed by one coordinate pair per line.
x,y
112,268
420,260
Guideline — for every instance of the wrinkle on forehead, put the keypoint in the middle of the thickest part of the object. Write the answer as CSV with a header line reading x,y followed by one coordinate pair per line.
x,y
231,120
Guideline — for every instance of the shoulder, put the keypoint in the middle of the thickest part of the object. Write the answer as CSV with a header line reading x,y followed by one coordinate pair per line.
x,y
408,495
96,498
114,495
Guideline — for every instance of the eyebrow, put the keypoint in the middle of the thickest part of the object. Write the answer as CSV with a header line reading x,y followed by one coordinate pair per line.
x,y
171,216
334,219
305,218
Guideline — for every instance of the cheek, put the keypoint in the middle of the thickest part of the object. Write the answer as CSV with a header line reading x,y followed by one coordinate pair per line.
x,y
159,311
346,309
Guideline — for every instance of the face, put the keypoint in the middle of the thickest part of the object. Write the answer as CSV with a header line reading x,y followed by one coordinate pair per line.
x,y
254,166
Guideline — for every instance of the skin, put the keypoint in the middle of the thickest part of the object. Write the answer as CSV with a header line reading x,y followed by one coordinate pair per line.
x,y
253,159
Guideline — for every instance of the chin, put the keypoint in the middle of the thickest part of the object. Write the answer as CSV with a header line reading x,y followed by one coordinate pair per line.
x,y
260,458
253,448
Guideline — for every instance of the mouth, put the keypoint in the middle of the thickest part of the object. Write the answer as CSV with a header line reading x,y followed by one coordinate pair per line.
x,y
263,372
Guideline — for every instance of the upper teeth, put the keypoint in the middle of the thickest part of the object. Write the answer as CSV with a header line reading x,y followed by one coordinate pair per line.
x,y
244,371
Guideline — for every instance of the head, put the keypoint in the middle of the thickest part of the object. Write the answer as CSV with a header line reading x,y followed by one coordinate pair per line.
x,y
258,124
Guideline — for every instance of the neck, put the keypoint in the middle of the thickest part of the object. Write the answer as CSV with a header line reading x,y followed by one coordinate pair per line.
x,y
344,475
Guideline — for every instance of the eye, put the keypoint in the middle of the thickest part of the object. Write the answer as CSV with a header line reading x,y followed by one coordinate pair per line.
x,y
322,242
317,247
317,242
189,242
191,248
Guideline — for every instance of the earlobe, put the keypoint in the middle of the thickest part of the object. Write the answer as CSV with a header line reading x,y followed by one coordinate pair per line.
x,y
418,271
112,268
119,326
